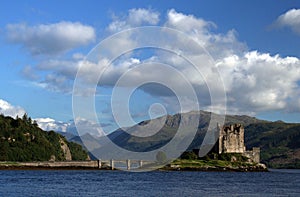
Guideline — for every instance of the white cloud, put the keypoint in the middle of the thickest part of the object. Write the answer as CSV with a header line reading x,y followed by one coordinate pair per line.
x,y
187,23
290,19
135,18
57,83
84,126
139,16
261,82
57,74
48,39
48,124
8,109
218,45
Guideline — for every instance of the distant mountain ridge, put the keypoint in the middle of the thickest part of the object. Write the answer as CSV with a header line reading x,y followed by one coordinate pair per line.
x,y
172,122
279,141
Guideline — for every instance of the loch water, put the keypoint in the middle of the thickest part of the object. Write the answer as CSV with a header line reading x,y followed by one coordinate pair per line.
x,y
156,183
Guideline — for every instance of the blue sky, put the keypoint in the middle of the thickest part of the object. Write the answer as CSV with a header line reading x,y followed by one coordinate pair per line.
x,y
37,67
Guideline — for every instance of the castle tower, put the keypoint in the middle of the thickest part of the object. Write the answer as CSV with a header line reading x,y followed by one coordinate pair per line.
x,y
231,139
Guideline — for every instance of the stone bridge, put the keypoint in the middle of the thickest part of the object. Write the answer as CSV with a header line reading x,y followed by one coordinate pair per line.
x,y
96,164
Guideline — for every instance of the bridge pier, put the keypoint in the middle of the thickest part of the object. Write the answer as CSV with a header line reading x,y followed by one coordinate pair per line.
x,y
99,163
141,163
112,164
128,164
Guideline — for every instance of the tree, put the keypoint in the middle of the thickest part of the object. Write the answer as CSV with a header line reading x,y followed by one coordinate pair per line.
x,y
4,148
35,124
190,155
25,117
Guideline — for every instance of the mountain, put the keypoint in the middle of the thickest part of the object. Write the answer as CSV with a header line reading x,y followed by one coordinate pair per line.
x,y
67,135
22,140
279,141
169,126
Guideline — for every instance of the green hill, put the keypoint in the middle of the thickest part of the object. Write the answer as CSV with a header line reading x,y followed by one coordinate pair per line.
x,y
279,143
22,140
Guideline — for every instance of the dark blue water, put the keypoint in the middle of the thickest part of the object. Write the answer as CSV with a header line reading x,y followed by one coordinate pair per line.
x,y
119,183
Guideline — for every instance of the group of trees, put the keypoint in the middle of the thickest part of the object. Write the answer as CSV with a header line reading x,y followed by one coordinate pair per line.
x,y
22,140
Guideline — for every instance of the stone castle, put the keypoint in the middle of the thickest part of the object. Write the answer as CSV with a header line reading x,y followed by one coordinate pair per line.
x,y
231,140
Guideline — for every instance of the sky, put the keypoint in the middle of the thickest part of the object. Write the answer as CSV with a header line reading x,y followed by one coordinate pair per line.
x,y
254,46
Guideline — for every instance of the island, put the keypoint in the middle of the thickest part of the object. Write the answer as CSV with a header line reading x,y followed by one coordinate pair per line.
x,y
228,154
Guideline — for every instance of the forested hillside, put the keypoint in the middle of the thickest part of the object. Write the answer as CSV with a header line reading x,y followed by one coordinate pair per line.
x,y
279,143
22,140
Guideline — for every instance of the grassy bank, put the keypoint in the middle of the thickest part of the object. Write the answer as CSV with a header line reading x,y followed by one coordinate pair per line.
x,y
213,165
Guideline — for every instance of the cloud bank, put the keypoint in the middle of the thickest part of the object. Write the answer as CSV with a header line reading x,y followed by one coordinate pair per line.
x,y
254,81
49,39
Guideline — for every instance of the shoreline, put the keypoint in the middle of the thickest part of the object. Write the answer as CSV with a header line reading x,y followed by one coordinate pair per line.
x,y
94,165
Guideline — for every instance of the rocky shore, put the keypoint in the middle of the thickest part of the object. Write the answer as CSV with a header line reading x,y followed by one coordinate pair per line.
x,y
215,165
253,168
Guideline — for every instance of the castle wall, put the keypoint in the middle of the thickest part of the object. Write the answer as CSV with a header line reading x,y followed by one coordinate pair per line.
x,y
253,155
